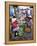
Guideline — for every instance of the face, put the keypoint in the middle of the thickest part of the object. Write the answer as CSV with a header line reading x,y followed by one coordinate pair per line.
x,y
13,19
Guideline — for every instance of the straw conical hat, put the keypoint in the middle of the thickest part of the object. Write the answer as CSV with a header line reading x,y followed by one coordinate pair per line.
x,y
30,16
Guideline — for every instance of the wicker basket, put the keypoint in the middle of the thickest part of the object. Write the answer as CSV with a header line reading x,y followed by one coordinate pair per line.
x,y
27,29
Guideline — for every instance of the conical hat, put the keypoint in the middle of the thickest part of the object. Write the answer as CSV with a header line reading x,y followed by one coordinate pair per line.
x,y
30,16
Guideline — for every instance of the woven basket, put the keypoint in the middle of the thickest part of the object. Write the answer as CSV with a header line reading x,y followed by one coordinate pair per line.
x,y
27,29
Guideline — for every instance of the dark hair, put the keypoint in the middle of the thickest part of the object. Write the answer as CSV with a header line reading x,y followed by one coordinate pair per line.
x,y
14,17
31,6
